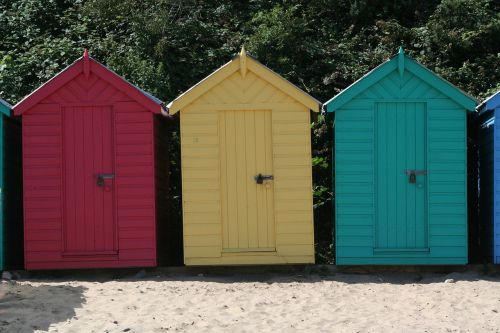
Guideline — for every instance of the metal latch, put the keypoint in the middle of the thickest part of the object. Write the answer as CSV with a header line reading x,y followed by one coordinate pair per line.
x,y
412,175
260,178
102,176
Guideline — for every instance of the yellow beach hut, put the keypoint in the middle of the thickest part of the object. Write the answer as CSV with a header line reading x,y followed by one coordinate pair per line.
x,y
246,167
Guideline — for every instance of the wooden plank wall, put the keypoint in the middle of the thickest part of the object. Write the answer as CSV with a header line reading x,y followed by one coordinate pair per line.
x,y
354,172
201,173
42,169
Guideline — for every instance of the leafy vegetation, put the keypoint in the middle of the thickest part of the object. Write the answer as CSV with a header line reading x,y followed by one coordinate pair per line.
x,y
322,46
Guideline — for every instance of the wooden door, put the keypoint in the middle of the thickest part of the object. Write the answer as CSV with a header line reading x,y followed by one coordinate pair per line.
x,y
247,207
401,219
89,221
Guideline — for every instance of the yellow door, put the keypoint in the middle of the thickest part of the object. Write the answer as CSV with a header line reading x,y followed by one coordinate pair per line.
x,y
247,206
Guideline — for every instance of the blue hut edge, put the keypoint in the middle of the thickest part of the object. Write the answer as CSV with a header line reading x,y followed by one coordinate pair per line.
x,y
490,103
489,173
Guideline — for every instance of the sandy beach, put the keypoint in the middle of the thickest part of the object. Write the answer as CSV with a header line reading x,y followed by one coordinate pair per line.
x,y
276,302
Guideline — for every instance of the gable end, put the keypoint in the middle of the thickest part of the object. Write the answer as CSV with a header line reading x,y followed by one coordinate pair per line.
x,y
401,63
243,64
87,66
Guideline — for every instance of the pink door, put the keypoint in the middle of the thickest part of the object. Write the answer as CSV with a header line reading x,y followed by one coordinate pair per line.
x,y
89,222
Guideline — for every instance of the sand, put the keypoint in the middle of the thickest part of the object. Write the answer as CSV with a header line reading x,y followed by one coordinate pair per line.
x,y
286,302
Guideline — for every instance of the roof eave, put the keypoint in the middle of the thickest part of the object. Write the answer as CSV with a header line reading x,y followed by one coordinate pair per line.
x,y
5,107
76,68
492,102
231,67
446,88
364,82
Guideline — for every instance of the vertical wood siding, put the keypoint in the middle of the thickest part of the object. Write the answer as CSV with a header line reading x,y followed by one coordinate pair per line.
x,y
355,172
201,170
134,178
246,150
89,223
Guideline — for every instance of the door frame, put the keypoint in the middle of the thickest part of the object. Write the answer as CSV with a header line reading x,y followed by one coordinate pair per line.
x,y
110,255
395,252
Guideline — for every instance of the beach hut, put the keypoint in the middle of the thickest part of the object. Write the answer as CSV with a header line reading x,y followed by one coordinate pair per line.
x,y
489,175
11,221
89,141
246,167
400,167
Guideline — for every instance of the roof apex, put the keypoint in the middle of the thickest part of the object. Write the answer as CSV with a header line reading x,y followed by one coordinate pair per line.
x,y
401,62
86,64
244,63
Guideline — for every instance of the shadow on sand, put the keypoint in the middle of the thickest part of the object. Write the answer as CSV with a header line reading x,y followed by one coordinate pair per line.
x,y
281,274
49,297
20,302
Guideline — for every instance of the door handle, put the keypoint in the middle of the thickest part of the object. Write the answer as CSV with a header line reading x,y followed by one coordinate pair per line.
x,y
102,176
412,175
260,178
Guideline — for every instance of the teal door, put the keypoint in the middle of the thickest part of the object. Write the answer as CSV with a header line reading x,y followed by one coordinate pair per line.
x,y
401,218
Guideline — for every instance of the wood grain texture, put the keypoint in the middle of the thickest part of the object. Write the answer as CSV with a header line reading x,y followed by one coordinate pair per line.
x,y
234,130
77,129
248,209
241,92
398,123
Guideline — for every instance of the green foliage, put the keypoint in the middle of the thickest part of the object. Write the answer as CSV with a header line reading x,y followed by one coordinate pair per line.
x,y
322,46
36,43
460,42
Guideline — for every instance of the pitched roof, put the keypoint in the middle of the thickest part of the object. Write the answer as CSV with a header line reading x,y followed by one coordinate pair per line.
x,y
243,62
401,62
5,107
87,65
490,103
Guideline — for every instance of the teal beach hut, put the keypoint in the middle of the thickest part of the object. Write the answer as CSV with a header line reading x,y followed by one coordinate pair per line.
x,y
400,167
11,221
